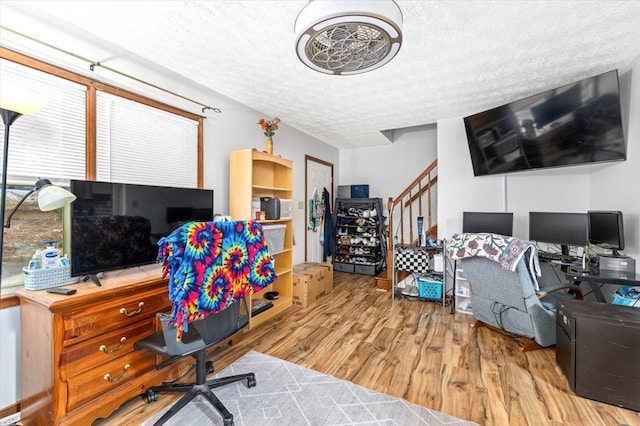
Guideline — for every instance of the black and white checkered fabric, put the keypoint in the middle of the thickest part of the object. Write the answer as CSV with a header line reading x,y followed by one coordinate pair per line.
x,y
411,259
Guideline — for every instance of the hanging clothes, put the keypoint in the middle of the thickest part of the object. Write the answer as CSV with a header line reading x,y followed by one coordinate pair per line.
x,y
326,235
316,212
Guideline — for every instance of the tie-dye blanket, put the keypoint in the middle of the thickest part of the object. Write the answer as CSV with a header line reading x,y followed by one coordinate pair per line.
x,y
507,251
211,265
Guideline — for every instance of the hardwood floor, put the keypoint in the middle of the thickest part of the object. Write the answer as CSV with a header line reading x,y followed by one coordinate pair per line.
x,y
417,351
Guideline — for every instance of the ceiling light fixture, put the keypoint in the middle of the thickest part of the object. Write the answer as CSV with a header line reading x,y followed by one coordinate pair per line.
x,y
347,37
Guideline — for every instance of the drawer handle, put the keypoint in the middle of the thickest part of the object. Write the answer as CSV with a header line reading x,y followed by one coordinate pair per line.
x,y
130,314
106,350
115,379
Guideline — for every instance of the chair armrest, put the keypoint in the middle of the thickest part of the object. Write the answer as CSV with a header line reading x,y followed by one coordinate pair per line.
x,y
572,289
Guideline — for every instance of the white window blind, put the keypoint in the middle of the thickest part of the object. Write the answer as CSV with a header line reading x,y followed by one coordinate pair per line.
x,y
51,143
140,144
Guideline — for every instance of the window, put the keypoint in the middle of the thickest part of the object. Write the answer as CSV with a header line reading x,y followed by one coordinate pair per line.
x,y
49,144
128,131
53,144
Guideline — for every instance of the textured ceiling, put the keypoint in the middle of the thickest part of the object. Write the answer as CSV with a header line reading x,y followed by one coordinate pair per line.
x,y
457,57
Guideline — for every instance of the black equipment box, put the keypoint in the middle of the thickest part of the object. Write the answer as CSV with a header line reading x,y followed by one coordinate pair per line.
x,y
622,264
597,349
271,207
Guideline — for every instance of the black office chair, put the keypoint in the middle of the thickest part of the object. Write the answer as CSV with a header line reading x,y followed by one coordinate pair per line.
x,y
203,334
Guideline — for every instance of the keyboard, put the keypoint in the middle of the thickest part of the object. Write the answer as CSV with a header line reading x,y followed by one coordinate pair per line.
x,y
548,256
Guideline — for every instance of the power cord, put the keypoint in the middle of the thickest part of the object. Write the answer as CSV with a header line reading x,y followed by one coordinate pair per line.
x,y
498,313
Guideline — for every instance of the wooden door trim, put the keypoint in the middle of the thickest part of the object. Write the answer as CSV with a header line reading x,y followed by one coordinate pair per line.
x,y
308,158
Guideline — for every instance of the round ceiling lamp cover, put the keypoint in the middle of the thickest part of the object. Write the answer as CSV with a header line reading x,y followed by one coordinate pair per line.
x,y
348,37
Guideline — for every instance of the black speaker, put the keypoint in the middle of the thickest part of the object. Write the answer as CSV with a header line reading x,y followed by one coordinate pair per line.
x,y
271,207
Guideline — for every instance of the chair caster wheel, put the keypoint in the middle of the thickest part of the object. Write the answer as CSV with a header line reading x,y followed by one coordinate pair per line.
x,y
251,382
209,367
152,396
227,422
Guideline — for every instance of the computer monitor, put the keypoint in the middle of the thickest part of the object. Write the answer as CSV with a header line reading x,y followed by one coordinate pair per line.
x,y
606,229
489,222
566,229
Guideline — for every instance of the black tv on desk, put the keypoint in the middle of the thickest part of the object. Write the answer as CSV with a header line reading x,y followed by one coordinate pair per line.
x,y
566,229
489,222
118,225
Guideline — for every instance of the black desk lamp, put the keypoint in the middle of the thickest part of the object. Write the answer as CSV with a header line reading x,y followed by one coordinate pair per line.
x,y
14,102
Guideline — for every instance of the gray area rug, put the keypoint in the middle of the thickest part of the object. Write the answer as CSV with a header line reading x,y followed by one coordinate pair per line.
x,y
288,394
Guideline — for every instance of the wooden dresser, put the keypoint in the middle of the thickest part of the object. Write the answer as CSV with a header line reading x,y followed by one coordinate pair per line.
x,y
78,362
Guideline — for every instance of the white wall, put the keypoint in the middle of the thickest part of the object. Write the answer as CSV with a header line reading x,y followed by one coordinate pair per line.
x,y
237,129
562,189
618,187
388,169
571,189
612,186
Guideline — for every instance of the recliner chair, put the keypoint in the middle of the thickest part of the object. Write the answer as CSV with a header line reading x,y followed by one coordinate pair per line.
x,y
509,302
202,334
505,294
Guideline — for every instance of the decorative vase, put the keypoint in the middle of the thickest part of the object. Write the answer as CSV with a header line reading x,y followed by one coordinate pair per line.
x,y
270,145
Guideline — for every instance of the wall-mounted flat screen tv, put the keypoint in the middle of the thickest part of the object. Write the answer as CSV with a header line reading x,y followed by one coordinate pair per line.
x,y
579,123
118,225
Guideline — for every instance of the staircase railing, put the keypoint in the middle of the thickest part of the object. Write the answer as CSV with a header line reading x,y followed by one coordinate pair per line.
x,y
416,200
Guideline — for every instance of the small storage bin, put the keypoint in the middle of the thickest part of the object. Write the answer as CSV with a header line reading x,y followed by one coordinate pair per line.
x,y
365,269
40,279
429,289
627,296
462,288
275,237
343,267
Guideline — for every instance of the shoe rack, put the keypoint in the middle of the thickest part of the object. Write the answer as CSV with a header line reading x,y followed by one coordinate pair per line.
x,y
359,240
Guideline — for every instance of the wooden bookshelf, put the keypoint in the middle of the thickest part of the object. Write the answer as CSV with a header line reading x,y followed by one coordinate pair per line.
x,y
254,174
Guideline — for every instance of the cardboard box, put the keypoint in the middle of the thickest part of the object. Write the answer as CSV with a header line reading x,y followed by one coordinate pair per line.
x,y
311,281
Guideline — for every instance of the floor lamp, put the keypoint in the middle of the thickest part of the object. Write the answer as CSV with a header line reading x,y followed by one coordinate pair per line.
x,y
14,102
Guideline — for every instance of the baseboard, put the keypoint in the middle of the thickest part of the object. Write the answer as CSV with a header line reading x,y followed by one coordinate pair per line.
x,y
9,410
9,420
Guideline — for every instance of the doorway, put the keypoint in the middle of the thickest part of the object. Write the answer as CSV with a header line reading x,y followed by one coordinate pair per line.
x,y
318,176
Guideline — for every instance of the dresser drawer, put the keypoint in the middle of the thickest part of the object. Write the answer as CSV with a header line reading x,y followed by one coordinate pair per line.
x,y
93,352
92,384
98,319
